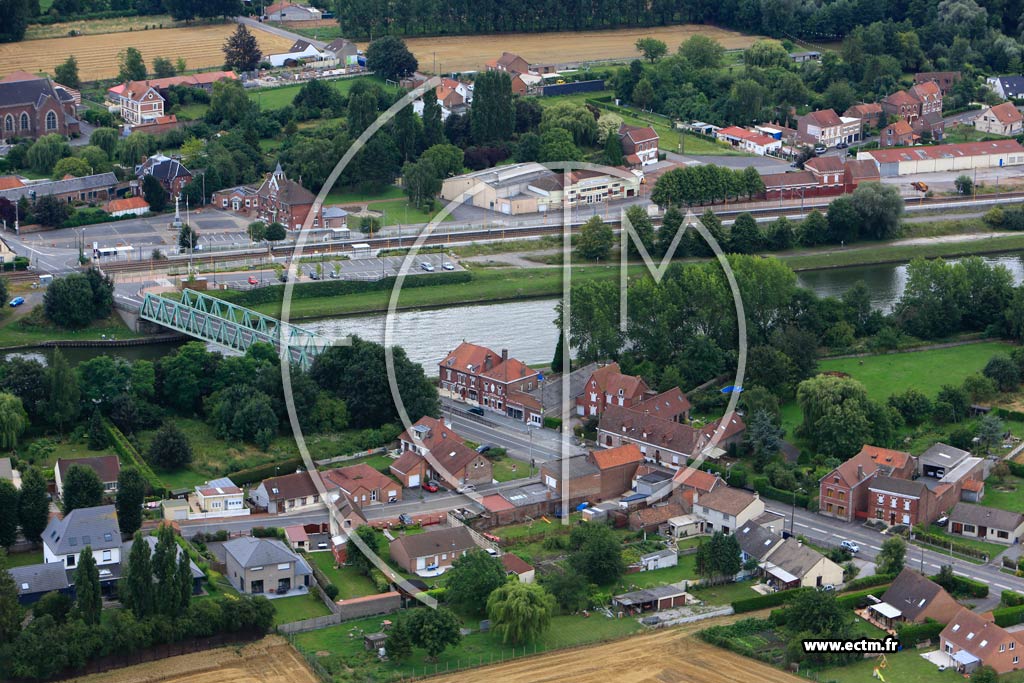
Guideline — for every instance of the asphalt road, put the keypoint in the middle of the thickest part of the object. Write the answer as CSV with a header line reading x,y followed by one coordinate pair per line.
x,y
522,443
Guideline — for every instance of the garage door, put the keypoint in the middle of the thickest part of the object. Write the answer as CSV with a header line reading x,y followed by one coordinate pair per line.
x,y
414,480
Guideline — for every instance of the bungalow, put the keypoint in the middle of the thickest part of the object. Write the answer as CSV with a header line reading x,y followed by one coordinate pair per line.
x,y
791,564
364,485
913,598
859,171
433,552
985,523
972,641
762,145
726,509
106,467
510,63
219,498
287,493
90,188
1002,119
308,53
516,566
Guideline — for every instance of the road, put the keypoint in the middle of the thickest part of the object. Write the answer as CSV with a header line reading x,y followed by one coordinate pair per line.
x,y
522,443
260,26
820,529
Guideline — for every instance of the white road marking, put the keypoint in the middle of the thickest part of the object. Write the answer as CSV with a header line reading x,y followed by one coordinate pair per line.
x,y
820,531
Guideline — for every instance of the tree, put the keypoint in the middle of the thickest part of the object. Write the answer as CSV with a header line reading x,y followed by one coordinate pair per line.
x,y
229,106
835,415
163,67
891,557
183,582
130,65
745,237
595,240
241,51
131,494
154,193
596,554
702,52
763,436
257,231
356,559
494,114
136,586
421,182
817,612
98,438
63,385
170,449
839,96
520,612
557,145
643,229
433,126
82,489
33,505
13,420
167,597
399,642
880,208
643,93
390,58
8,513
188,237
50,211
434,629
447,159
54,604
964,184
471,579
71,166
984,674
613,151
276,232
651,48
11,612
570,590
990,432
913,405
813,229
718,557
88,598
66,73
106,139
1003,371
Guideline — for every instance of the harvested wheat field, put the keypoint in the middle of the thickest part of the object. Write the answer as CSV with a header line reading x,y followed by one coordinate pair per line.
x,y
469,53
97,54
270,660
669,656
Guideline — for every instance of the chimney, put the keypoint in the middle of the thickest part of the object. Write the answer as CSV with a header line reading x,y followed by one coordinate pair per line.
x,y
860,472
487,362
504,355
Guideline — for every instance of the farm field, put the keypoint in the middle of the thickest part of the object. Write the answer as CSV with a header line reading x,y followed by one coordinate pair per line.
x,y
469,53
97,54
270,660
97,26
670,656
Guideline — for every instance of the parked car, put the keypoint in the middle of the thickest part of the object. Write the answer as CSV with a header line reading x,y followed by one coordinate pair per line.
x,y
820,149
321,545
253,280
405,519
851,546
483,448
827,587
842,145
447,265
431,486
476,410
429,267
465,488
941,521
17,301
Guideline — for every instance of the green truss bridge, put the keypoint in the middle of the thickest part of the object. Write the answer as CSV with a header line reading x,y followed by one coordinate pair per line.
x,y
222,323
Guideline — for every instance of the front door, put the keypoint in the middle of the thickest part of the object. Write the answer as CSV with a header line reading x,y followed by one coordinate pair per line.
x,y
284,585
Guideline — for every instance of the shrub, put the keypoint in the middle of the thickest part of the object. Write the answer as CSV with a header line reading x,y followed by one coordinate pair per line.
x,y
331,591
1012,598
968,587
860,598
912,634
868,582
1008,616
258,473
552,423
762,601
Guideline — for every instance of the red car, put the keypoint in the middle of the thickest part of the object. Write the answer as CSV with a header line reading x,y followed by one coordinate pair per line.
x,y
431,486
253,280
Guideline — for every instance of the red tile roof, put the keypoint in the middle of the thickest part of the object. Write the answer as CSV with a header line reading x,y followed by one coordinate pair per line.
x,y
901,97
821,165
610,380
926,90
136,90
106,466
9,182
824,118
761,139
657,514
358,476
736,132
1006,113
406,462
668,404
899,128
516,564
467,357
863,110
783,180
290,486
973,485
888,457
963,149
618,456
510,370
637,133
496,503
126,204
700,480
862,169
296,533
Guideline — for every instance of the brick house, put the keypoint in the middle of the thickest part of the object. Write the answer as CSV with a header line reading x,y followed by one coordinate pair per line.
x,y
972,641
433,552
869,113
825,127
859,171
899,133
945,79
843,492
827,171
141,103
577,475
277,200
639,144
900,501
617,467
262,565
663,440
32,106
364,485
930,96
902,104
171,173
1002,119
90,189
930,124
608,386
454,462
510,63
475,374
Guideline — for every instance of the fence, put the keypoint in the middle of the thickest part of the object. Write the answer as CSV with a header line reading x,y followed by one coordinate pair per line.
x,y
310,624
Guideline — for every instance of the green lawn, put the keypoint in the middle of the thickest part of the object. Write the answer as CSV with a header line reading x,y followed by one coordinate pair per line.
x,y
907,666
888,253
955,134
17,331
863,629
508,469
925,371
342,649
992,549
348,196
299,607
398,212
192,111
1006,496
350,583
22,559
686,569
327,33
276,98
726,593
66,449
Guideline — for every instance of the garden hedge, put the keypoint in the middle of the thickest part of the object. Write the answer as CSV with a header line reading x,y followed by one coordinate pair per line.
x,y
859,599
912,634
766,490
762,601
1008,616
253,475
868,582
1012,598
119,442
968,587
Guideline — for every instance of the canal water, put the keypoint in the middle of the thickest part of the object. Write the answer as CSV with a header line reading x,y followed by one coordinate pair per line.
x,y
526,328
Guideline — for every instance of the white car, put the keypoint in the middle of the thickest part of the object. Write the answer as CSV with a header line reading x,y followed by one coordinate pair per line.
x,y
851,546
447,265
429,267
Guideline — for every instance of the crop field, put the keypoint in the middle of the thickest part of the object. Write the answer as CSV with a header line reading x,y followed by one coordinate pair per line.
x,y
270,660
97,54
469,53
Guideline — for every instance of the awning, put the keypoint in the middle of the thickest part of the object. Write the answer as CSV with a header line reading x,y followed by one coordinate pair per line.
x,y
779,573
966,658
886,610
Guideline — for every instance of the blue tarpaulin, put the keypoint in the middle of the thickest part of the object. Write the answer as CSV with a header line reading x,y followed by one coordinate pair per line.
x,y
731,388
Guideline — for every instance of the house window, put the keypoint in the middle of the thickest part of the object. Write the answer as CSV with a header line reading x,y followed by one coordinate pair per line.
x,y
881,499
906,505
373,495
1002,647
24,121
842,495
829,492
71,560
1016,659
51,121
106,556
9,123
892,502
224,203
1012,644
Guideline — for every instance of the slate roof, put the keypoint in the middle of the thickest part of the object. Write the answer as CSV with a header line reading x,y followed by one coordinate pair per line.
x,y
980,515
35,579
901,487
443,540
576,465
755,540
943,455
795,557
96,527
106,467
28,91
99,181
258,552
911,593
1013,86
